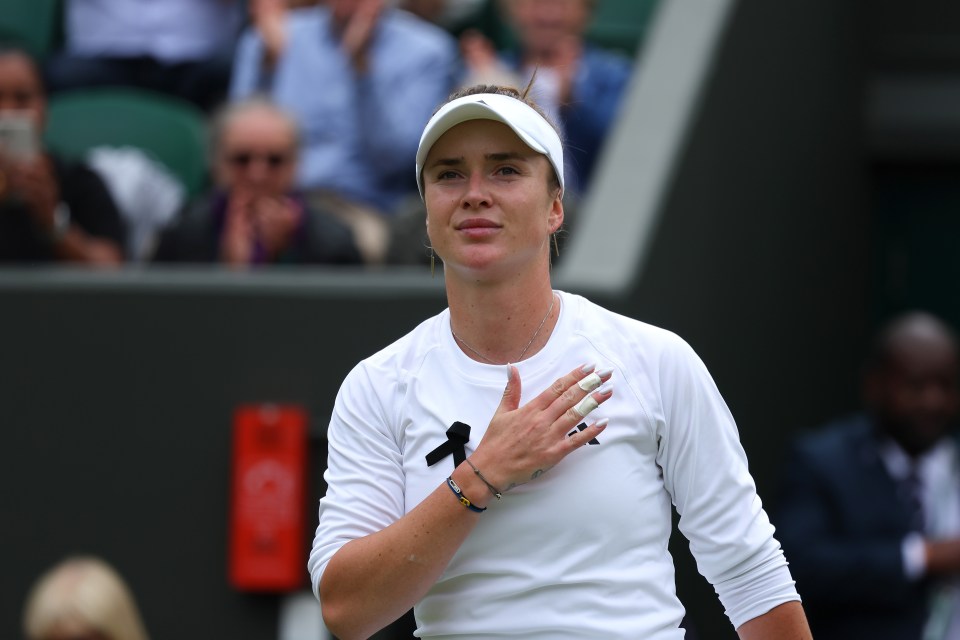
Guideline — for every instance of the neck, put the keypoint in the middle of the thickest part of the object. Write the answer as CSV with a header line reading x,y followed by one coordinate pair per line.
x,y
499,321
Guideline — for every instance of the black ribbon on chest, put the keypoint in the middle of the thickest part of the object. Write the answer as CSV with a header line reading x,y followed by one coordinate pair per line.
x,y
458,435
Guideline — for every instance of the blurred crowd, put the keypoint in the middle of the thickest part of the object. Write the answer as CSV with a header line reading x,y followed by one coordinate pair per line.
x,y
311,110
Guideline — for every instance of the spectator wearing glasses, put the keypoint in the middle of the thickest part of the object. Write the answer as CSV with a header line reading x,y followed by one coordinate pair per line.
x,y
254,215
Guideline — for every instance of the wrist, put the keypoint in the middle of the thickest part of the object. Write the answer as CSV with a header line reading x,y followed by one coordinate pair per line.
x,y
494,490
471,486
462,497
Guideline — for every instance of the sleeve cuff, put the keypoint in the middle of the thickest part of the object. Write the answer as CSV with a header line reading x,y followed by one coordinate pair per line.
x,y
914,556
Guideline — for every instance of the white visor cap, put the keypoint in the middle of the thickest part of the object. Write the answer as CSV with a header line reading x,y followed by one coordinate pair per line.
x,y
529,125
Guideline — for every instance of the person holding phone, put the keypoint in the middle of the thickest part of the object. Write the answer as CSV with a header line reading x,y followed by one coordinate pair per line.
x,y
50,210
508,467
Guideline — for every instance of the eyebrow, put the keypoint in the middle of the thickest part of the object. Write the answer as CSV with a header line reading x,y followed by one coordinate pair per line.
x,y
495,157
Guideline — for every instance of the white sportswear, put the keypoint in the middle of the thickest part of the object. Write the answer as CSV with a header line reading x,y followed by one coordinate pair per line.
x,y
580,552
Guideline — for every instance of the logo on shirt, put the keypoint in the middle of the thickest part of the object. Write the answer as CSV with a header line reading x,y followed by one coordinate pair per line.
x,y
581,427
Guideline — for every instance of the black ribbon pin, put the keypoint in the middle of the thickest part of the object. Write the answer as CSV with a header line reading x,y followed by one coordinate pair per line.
x,y
458,435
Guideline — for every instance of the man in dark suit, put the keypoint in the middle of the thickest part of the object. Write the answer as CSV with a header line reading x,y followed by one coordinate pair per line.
x,y
870,510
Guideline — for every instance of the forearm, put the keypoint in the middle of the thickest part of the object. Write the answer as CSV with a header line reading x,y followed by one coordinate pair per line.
x,y
77,246
784,622
372,581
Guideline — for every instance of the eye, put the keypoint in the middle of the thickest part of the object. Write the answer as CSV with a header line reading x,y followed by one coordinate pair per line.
x,y
508,171
447,175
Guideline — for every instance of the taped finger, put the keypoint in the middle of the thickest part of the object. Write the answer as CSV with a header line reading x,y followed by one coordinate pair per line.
x,y
585,406
591,382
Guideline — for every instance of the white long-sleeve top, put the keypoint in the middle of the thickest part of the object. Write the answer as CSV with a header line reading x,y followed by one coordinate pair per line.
x,y
580,552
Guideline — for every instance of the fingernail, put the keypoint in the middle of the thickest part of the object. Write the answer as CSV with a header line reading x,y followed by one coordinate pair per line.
x,y
605,373
590,383
600,424
587,368
585,406
606,389
509,372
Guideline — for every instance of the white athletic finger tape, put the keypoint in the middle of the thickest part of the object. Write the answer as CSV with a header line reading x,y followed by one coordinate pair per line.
x,y
590,383
586,405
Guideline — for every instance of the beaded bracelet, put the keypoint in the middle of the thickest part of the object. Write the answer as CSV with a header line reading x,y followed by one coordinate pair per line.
x,y
462,498
496,492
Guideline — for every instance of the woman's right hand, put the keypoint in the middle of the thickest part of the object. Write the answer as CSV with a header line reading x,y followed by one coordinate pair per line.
x,y
522,443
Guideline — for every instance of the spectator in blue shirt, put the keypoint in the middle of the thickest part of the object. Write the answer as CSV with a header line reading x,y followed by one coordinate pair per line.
x,y
578,84
362,80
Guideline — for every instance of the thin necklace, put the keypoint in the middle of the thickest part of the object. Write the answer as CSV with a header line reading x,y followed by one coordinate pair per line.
x,y
553,299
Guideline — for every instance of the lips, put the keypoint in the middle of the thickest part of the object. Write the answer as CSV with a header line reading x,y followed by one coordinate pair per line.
x,y
476,223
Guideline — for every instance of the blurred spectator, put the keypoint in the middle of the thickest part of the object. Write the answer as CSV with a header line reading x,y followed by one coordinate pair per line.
x,y
579,85
49,209
253,215
361,79
870,513
82,598
181,47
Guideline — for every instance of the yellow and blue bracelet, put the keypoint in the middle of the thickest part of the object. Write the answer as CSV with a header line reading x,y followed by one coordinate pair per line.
x,y
464,500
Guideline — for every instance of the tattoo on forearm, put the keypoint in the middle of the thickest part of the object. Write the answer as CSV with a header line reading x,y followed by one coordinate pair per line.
x,y
536,474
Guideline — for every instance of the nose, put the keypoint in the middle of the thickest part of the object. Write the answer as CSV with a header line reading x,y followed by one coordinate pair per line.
x,y
256,172
476,194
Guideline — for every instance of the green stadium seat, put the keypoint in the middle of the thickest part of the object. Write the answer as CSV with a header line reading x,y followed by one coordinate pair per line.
x,y
31,24
171,130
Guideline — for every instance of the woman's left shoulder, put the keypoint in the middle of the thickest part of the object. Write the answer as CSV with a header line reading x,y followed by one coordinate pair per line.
x,y
592,318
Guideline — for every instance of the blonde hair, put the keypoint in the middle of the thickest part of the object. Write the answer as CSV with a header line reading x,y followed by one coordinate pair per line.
x,y
78,596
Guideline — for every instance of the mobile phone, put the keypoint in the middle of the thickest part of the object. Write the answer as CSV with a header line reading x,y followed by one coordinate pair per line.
x,y
18,138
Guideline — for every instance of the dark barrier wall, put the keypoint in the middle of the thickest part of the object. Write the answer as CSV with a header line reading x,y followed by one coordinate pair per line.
x,y
117,391
117,405
761,258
